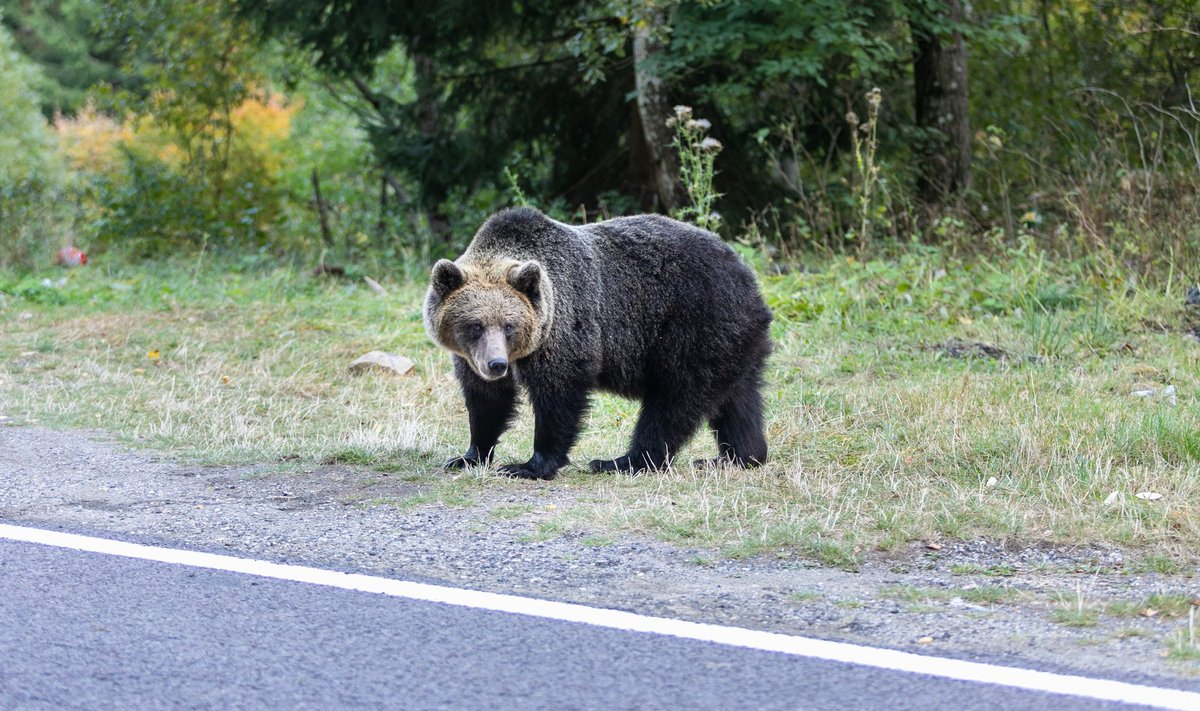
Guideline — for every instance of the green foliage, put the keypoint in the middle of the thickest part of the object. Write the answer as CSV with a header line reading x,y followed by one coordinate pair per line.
x,y
178,43
410,113
25,140
30,176
61,38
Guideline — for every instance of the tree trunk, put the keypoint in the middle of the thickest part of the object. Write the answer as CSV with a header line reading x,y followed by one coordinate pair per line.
x,y
940,83
654,108
322,215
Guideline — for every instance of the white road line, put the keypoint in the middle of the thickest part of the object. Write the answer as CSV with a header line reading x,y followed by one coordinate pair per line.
x,y
1100,689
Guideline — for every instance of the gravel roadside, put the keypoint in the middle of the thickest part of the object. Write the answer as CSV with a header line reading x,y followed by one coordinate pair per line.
x,y
917,599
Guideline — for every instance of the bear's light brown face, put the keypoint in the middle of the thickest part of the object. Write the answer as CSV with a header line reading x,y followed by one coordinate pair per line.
x,y
486,314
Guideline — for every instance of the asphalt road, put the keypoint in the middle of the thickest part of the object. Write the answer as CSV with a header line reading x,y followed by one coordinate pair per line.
x,y
92,631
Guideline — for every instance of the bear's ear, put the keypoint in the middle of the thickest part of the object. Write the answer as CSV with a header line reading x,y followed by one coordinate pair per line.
x,y
446,277
527,279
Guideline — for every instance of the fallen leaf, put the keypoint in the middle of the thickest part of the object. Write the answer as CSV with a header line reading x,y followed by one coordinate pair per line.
x,y
1148,495
1149,612
925,640
934,546
154,354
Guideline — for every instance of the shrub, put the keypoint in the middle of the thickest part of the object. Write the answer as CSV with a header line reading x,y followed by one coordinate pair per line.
x,y
30,177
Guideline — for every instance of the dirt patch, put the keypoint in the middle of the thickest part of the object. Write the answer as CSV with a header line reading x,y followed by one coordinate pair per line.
x,y
982,599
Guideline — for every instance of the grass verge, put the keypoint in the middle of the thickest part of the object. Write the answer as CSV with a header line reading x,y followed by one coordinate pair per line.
x,y
925,397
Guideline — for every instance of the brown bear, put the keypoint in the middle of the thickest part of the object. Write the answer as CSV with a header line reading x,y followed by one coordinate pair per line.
x,y
645,307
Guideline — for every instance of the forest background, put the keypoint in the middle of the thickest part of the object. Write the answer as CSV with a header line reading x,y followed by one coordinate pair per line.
x,y
382,133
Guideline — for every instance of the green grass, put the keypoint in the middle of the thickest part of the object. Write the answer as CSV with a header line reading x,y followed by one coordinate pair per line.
x,y
999,570
546,531
804,596
1164,605
983,594
1071,615
512,511
918,398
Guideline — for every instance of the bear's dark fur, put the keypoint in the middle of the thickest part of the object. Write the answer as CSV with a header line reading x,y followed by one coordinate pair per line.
x,y
645,307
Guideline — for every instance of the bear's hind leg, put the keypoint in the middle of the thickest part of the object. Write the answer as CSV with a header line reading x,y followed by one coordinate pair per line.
x,y
663,427
738,426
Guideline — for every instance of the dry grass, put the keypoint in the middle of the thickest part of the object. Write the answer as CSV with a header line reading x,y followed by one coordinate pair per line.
x,y
880,434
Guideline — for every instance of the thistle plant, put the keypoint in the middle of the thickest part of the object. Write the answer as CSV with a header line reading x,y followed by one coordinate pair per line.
x,y
697,153
864,140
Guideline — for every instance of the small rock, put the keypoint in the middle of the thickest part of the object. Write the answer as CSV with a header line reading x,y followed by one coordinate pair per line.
x,y
1167,393
387,362
1193,296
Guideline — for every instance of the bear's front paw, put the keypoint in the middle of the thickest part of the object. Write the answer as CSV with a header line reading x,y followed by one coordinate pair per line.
x,y
470,458
620,464
539,466
626,464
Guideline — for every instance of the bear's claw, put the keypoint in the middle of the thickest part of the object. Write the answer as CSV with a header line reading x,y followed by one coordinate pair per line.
x,y
539,466
624,464
524,471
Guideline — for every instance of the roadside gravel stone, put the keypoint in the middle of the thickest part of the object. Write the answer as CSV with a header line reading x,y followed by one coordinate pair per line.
x,y
331,516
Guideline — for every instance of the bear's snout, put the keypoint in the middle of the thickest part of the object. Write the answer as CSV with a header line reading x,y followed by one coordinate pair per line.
x,y
490,354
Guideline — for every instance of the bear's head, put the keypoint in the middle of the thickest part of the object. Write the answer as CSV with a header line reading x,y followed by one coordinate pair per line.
x,y
490,313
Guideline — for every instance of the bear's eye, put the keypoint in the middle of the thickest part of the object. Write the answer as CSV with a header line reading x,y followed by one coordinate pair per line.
x,y
475,330
509,330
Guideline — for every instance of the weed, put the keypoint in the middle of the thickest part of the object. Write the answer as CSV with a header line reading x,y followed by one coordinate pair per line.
x,y
1161,564
988,594
511,511
1185,644
803,596
865,142
1075,612
1164,605
697,154
999,570
546,531
910,593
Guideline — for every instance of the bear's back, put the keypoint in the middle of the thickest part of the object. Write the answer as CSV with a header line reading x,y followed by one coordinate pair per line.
x,y
676,299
